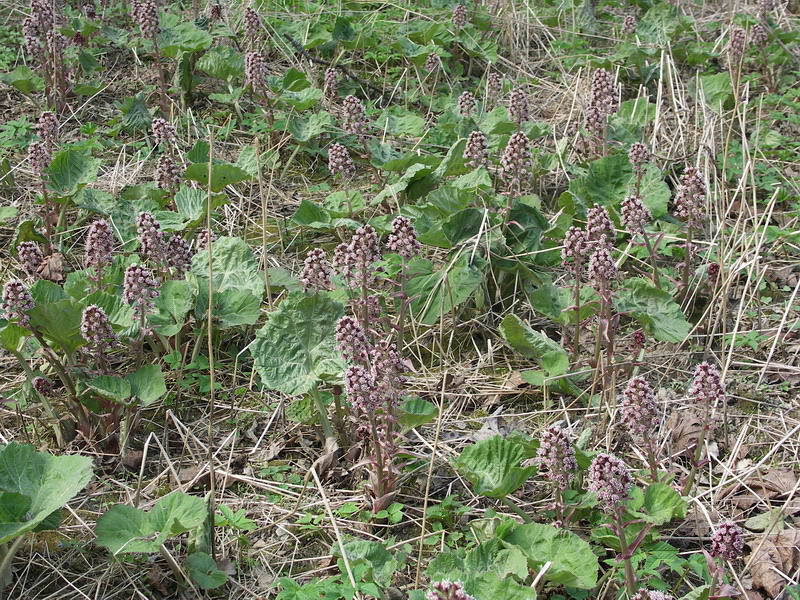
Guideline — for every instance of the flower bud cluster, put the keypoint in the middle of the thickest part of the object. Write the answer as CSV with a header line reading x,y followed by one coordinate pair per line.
x,y
635,215
557,455
466,103
476,152
316,271
610,479
354,117
518,108
639,410
99,245
96,328
403,238
17,302
30,256
690,197
707,386
727,541
447,590
340,161
515,164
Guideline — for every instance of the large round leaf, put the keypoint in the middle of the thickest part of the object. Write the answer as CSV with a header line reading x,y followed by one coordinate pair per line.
x,y
297,347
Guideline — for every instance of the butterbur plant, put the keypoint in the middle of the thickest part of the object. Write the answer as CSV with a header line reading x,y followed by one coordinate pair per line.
x,y
146,16
727,543
459,16
690,206
494,87
635,217
706,392
476,151
611,481
641,417
557,456
39,157
602,103
30,257
515,165
602,274
255,76
370,343
575,253
518,108
99,251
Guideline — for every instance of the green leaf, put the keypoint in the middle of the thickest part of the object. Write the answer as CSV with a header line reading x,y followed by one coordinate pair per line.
x,y
147,384
136,115
716,90
572,562
533,344
13,507
23,79
70,171
479,179
302,100
492,585
492,466
654,309
7,213
343,30
380,565
437,291
492,556
236,307
199,153
222,175
222,62
203,571
314,126
297,348
233,268
184,37
700,593
111,387
662,504
605,183
47,482
415,412
119,313
59,322
11,336
174,302
311,214
126,529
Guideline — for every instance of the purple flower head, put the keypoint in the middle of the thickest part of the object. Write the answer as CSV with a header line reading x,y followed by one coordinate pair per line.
x,y
30,256
494,87
47,128
43,386
602,269
179,254
255,71
139,288
707,386
99,245
635,215
340,162
476,152
515,164
557,455
360,387
598,223
690,197
168,173
518,108
610,479
629,25
147,18
316,271
727,541
96,328
403,239
354,117
447,590
639,410
164,132
17,301
252,27
639,156
651,595
151,238
330,86
466,103
459,16
576,247
39,156
352,341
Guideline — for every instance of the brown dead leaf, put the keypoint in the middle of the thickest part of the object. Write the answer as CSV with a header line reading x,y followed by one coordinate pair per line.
x,y
192,478
158,580
52,267
133,460
774,557
774,486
